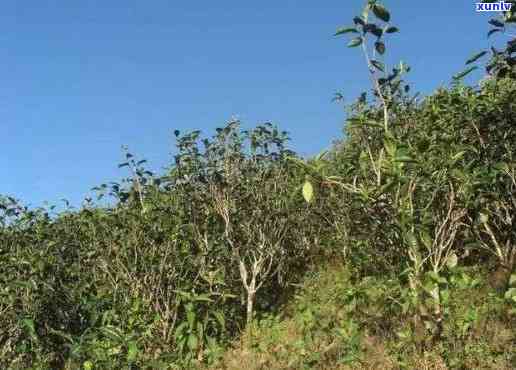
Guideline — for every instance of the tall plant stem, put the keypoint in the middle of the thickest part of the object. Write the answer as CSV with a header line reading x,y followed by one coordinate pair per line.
x,y
376,85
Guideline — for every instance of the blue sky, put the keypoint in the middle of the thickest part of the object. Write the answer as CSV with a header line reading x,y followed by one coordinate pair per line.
x,y
79,79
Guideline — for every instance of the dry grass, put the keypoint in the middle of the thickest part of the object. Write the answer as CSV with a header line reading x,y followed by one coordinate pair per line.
x,y
296,341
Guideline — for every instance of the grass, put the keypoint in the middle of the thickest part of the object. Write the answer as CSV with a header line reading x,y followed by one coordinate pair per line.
x,y
337,322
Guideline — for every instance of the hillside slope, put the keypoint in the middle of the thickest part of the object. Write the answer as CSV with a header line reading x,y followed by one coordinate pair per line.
x,y
334,322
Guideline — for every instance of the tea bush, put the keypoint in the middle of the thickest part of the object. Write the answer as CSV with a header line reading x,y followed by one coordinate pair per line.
x,y
411,215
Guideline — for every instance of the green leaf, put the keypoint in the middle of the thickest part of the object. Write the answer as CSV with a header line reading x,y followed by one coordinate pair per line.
x,y
372,124
219,316
30,326
200,330
113,333
476,57
512,280
380,47
510,293
387,187
390,147
357,41
308,191
452,261
375,30
202,298
87,365
483,218
502,167
378,65
343,30
381,12
495,22
392,30
435,277
425,239
464,73
358,21
404,67
365,12
190,316
132,351
192,342
494,30
321,155
457,156
411,240
178,333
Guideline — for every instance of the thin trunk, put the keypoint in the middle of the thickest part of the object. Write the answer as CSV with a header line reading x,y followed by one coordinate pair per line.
x,y
250,303
251,292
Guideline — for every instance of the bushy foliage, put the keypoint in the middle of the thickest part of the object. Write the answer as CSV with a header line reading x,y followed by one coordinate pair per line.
x,y
418,193
160,276
338,322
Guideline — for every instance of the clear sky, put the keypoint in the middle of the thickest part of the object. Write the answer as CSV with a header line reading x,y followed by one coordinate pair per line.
x,y
78,79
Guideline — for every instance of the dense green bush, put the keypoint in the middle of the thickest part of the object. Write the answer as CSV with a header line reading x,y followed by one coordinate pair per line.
x,y
165,274
184,262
